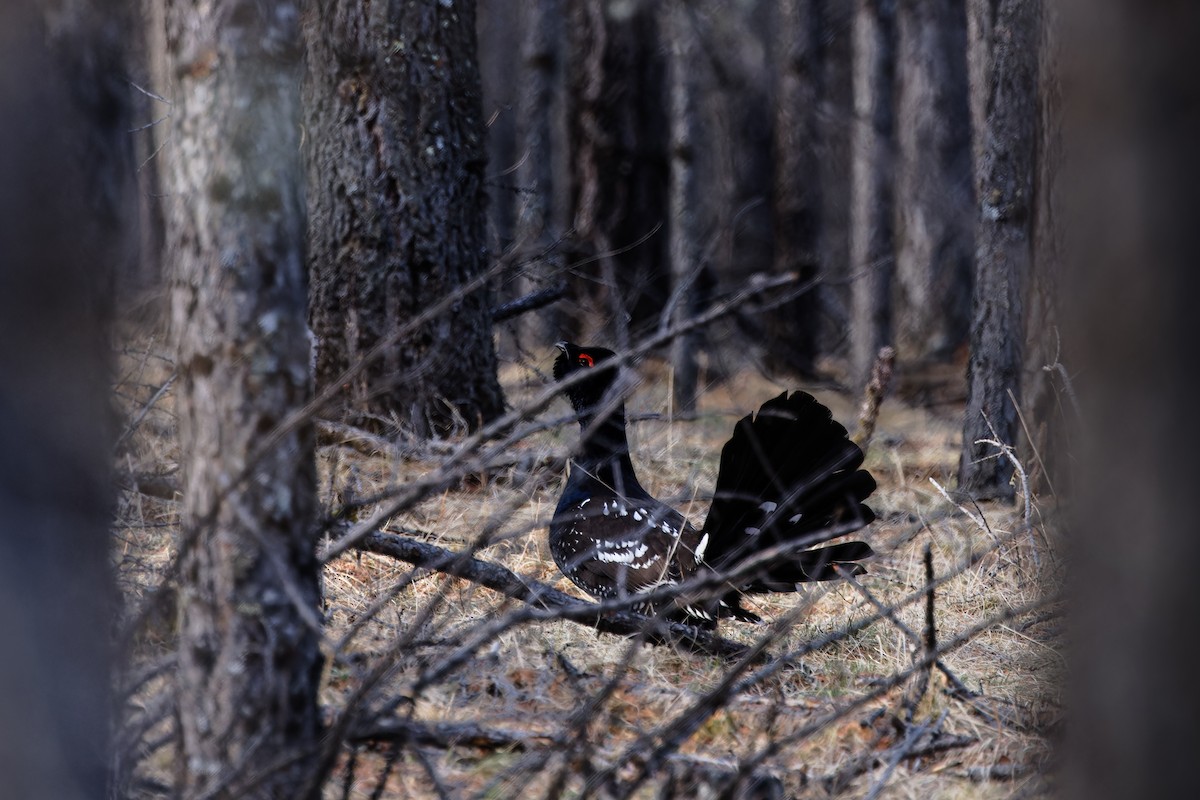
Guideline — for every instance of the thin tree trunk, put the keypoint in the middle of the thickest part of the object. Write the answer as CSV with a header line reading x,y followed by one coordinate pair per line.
x,y
499,34
685,232
934,197
872,254
65,209
617,129
835,126
535,172
793,326
249,662
1004,186
395,151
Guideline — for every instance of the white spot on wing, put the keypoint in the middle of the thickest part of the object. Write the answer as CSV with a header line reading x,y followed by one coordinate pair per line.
x,y
753,531
768,506
700,548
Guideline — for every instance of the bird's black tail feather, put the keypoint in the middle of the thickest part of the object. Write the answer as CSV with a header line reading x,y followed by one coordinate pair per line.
x,y
789,475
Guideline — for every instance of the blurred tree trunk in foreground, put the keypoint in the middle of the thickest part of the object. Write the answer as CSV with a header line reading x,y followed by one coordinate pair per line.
x,y
395,153
1004,37
934,201
65,208
249,625
1131,133
872,248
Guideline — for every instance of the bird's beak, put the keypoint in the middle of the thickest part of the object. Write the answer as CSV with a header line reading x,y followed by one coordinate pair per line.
x,y
561,345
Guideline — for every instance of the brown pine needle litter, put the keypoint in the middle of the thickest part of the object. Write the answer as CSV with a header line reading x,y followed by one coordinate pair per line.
x,y
440,687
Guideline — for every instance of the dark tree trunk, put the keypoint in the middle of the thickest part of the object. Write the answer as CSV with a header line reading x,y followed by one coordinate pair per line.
x,y
396,157
538,265
934,197
872,254
685,232
1130,144
1004,185
66,203
617,126
249,662
835,131
793,326
499,34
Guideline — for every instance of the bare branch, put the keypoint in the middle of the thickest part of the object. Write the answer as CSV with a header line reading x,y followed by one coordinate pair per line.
x,y
535,593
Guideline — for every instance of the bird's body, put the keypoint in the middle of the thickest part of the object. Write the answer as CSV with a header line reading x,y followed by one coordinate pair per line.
x,y
789,479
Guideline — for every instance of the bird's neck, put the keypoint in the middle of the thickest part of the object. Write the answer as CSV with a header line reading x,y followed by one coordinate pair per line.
x,y
604,455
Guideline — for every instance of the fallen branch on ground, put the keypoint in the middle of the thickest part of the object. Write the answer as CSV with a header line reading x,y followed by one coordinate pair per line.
x,y
446,735
537,594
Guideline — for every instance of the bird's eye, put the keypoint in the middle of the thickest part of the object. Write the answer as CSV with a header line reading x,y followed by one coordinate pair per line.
x,y
585,360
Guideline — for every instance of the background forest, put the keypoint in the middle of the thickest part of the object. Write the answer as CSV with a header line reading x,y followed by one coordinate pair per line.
x,y
281,284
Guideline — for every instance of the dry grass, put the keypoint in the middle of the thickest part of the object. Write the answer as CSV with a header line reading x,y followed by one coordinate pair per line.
x,y
554,679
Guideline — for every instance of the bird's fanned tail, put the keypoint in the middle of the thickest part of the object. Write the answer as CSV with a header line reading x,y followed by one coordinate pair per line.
x,y
789,475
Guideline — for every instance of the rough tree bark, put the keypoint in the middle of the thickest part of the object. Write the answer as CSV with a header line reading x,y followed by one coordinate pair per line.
x,y
934,198
793,326
617,131
66,204
1006,102
395,153
685,232
249,662
872,254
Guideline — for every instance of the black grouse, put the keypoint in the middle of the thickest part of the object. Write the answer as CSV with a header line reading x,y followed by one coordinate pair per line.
x,y
788,474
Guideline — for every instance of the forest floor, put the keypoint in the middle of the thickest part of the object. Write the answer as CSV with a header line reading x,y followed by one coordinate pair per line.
x,y
535,704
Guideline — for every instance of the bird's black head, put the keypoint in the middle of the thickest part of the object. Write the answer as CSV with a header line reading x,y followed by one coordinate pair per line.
x,y
572,358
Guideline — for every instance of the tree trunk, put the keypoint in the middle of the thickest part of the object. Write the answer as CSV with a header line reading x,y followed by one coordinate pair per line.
x,y
249,662
498,36
66,204
617,127
1131,149
1045,450
1004,186
792,327
871,213
538,266
834,163
934,199
395,152
685,230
